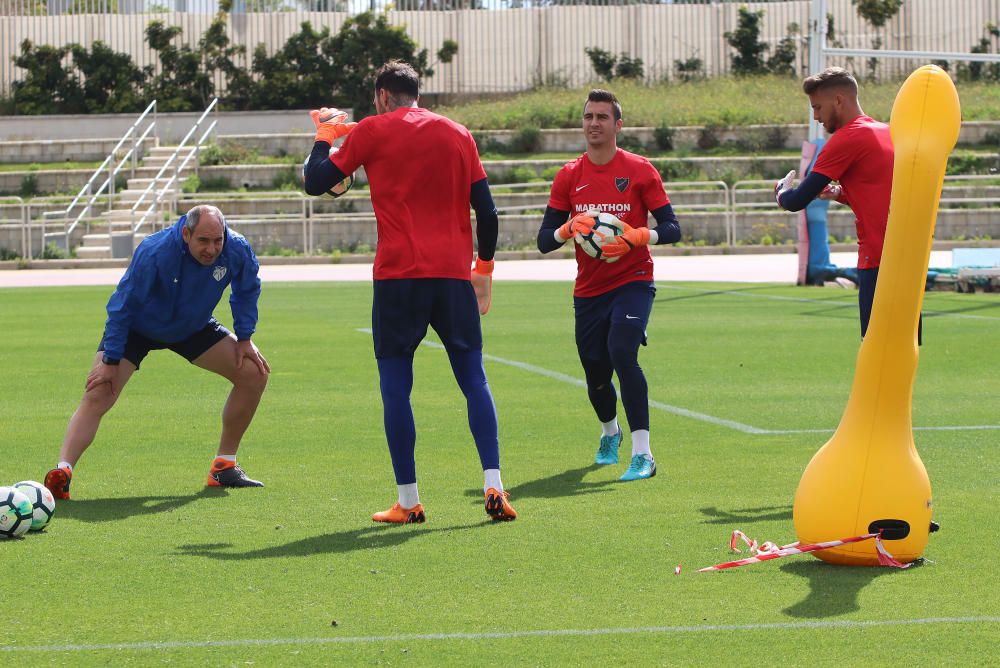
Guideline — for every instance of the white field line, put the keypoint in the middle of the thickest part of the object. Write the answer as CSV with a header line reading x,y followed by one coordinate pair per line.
x,y
499,635
677,410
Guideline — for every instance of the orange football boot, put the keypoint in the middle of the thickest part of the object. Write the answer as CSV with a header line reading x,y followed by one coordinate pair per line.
x,y
225,473
498,507
400,515
57,481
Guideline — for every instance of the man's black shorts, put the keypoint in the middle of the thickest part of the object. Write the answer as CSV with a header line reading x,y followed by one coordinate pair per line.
x,y
138,346
627,305
402,309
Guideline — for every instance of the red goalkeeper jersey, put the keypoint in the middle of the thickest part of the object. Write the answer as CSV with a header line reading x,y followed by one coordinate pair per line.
x,y
860,156
420,168
628,187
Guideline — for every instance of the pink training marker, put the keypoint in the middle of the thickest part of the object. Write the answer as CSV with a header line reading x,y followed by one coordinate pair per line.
x,y
677,570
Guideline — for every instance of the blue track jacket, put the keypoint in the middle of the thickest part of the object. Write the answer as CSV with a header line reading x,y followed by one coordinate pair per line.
x,y
167,295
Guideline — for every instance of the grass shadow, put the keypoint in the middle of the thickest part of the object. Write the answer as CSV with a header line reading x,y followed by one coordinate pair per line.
x,y
110,510
368,538
746,515
833,590
566,483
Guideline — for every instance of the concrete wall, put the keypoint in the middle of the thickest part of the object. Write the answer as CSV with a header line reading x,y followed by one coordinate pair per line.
x,y
170,128
280,141
520,231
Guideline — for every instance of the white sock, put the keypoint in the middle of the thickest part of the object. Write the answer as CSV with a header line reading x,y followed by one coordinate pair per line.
x,y
408,495
65,465
228,458
491,478
610,428
640,442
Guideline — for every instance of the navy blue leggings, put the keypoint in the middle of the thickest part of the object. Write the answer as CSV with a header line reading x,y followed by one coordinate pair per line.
x,y
396,383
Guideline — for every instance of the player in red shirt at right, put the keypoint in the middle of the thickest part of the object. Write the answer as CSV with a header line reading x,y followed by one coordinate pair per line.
x,y
859,157
612,300
424,172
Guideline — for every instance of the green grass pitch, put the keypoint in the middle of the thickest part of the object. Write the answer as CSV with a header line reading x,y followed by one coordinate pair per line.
x,y
145,566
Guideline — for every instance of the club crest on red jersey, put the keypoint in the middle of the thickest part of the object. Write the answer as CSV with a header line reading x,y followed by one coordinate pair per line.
x,y
621,182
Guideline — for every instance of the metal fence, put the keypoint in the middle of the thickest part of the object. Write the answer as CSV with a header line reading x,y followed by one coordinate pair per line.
x,y
508,45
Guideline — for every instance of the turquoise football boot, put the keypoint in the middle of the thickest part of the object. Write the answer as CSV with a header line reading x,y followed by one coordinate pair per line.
x,y
641,467
607,453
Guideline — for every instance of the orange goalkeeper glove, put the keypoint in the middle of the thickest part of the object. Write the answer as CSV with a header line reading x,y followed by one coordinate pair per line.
x,y
626,241
330,124
581,223
482,283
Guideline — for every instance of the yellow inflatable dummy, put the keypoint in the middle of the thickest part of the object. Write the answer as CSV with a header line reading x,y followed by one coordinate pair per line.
x,y
869,477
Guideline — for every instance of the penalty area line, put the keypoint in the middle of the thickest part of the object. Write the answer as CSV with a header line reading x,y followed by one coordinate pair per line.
x,y
499,635
677,410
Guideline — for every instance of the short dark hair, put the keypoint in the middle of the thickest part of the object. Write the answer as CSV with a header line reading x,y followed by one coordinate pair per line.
x,y
831,77
400,79
601,95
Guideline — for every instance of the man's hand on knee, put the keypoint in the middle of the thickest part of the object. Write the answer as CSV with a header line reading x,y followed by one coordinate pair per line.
x,y
247,350
104,373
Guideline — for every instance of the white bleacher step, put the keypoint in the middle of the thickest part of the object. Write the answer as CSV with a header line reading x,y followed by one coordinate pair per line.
x,y
140,183
93,252
130,197
167,151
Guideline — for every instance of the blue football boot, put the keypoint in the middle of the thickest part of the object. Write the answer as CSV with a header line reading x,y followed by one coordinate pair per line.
x,y
607,453
641,467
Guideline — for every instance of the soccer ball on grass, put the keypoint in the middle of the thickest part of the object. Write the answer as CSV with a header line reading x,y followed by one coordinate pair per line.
x,y
15,513
43,504
606,228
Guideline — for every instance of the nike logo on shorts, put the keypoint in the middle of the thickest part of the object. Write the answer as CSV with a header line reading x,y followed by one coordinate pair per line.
x,y
632,317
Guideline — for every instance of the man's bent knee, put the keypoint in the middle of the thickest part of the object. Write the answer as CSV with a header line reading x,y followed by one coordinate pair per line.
x,y
99,399
249,377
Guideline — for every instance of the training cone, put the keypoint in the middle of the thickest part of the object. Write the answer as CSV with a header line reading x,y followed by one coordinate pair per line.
x,y
868,477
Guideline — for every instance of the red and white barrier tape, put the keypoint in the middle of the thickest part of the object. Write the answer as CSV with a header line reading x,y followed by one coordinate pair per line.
x,y
768,551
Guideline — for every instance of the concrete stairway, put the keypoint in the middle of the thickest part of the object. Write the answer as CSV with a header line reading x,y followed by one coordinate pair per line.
x,y
114,240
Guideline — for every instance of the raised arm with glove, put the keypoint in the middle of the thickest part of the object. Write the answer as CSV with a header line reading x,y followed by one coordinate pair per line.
x,y
331,124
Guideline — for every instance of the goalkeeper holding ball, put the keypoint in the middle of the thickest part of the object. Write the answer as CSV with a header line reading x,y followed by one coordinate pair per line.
x,y
612,298
424,172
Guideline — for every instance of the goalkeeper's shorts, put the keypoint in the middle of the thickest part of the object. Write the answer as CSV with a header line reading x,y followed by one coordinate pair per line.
x,y
628,305
403,308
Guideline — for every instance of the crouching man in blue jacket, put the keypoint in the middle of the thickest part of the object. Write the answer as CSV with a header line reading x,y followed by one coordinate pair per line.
x,y
165,300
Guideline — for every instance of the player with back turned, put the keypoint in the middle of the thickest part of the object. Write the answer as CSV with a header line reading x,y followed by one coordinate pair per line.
x,y
859,157
612,300
424,172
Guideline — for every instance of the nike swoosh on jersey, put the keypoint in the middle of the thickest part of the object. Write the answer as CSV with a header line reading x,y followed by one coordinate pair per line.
x,y
579,188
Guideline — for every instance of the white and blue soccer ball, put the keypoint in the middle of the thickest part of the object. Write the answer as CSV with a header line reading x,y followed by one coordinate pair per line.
x,y
15,513
606,228
43,504
338,189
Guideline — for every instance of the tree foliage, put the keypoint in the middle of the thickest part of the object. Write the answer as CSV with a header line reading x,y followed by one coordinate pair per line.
x,y
608,66
313,68
877,12
750,51
49,87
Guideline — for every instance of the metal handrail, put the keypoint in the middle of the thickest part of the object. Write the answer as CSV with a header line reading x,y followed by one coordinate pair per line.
x,y
109,182
159,193
21,221
292,195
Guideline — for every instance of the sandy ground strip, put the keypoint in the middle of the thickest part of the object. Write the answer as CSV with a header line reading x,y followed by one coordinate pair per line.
x,y
778,268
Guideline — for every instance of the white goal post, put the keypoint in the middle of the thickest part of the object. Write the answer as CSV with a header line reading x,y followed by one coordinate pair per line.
x,y
819,51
